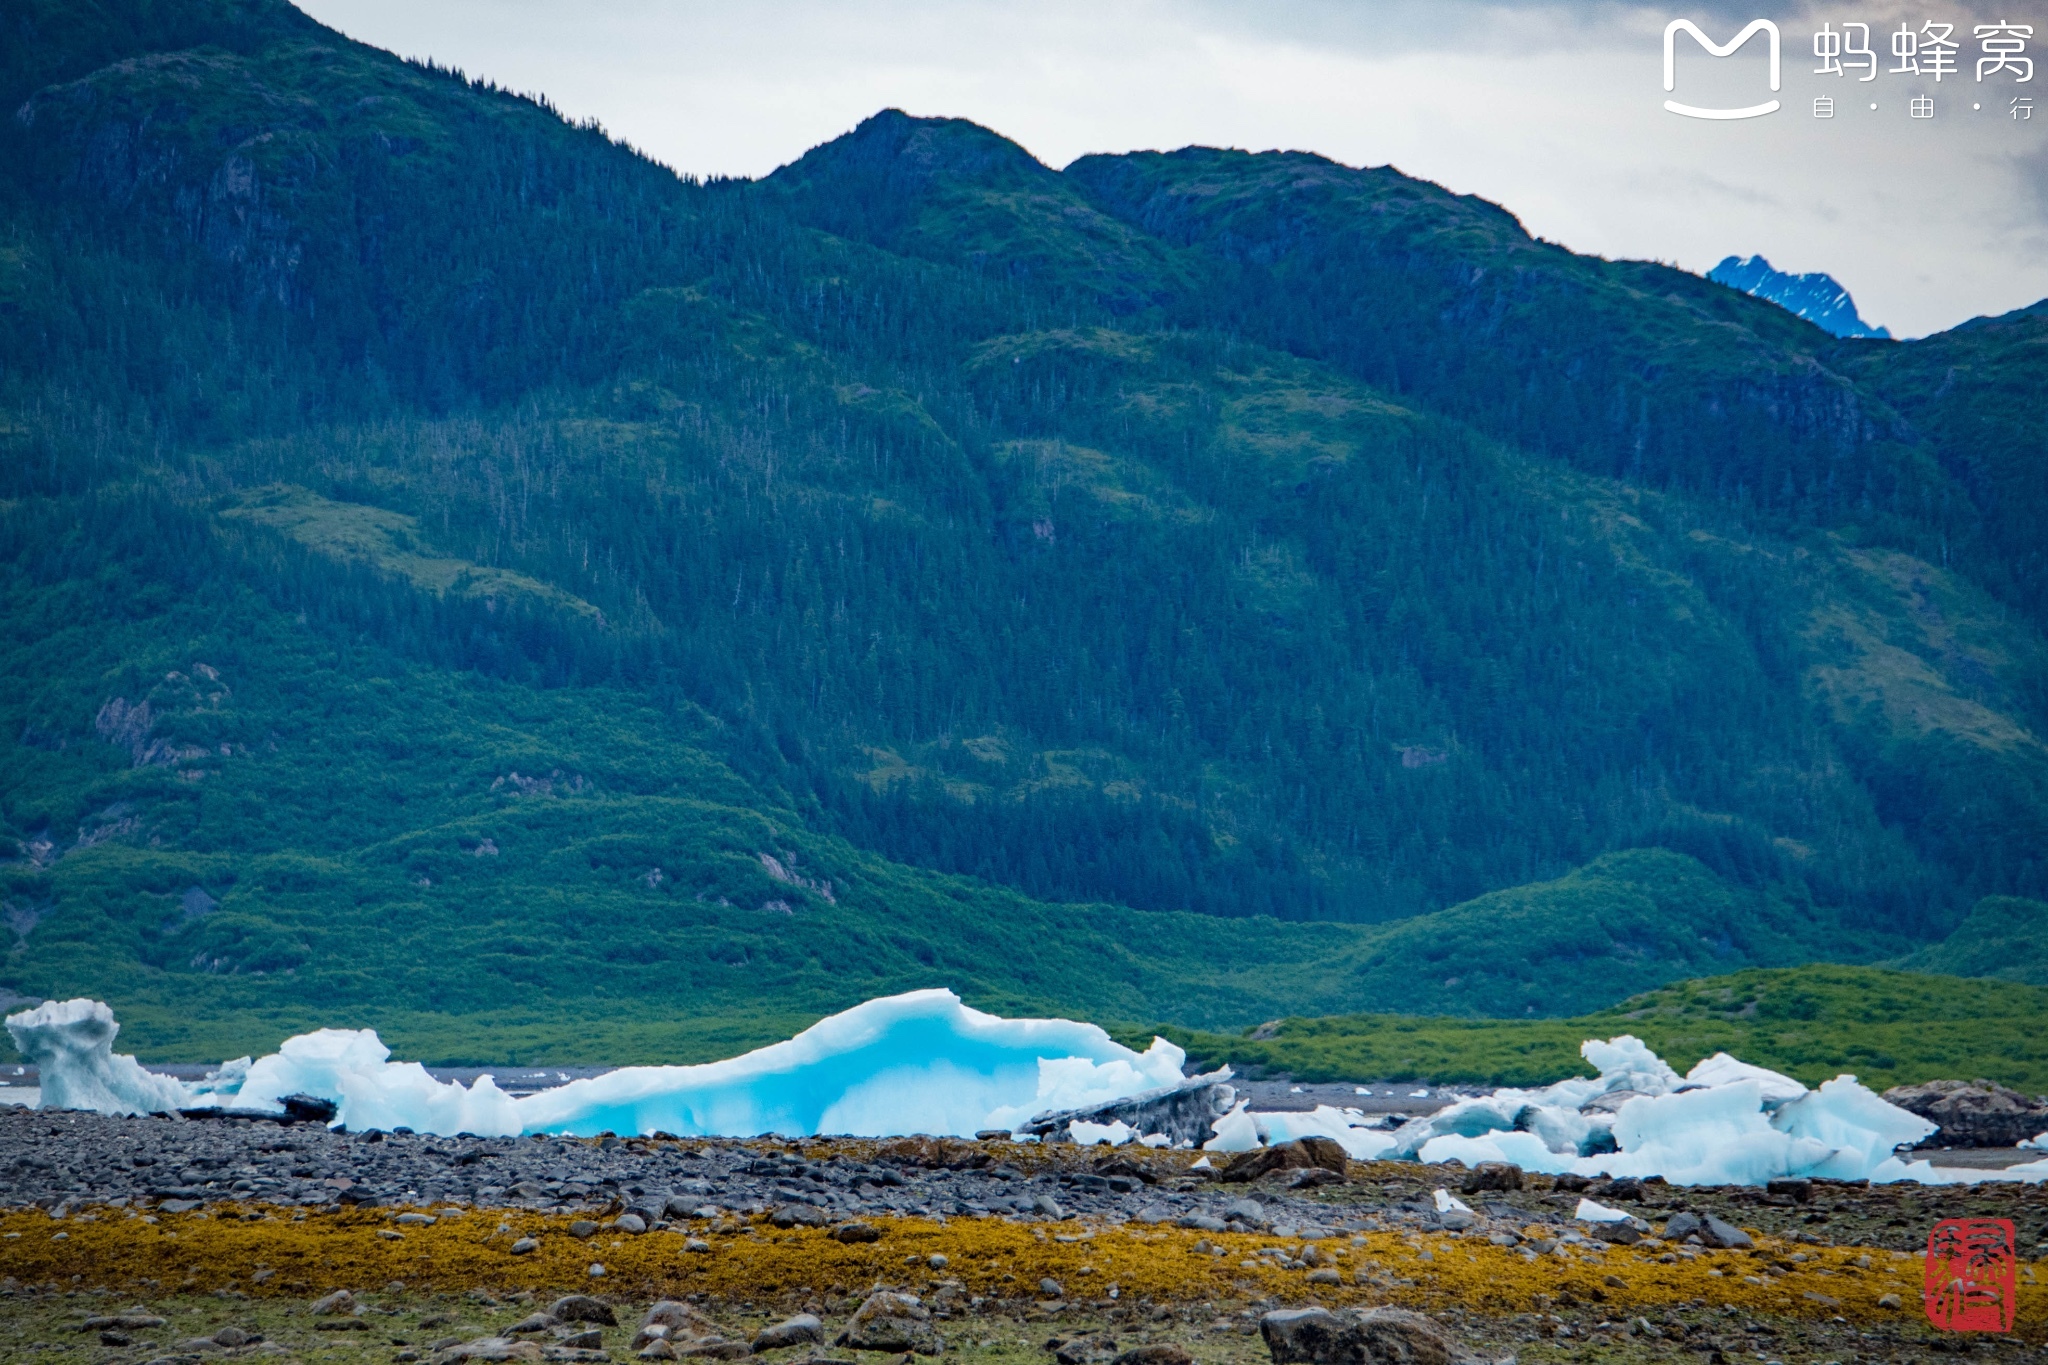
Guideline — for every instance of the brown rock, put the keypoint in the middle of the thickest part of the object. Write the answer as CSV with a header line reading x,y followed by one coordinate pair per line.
x,y
1973,1113
952,1153
1492,1175
1301,1154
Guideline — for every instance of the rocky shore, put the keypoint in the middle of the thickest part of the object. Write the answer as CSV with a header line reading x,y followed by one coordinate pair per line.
x,y
57,1161
175,1242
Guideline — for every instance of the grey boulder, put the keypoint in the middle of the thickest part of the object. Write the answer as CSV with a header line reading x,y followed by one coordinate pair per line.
x,y
890,1321
796,1331
1374,1336
583,1308
1710,1230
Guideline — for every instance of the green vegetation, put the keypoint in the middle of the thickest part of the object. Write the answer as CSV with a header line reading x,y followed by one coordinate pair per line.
x,y
457,575
2004,937
1885,1027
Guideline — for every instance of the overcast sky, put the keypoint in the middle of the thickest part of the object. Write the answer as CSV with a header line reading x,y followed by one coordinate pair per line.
x,y
1554,110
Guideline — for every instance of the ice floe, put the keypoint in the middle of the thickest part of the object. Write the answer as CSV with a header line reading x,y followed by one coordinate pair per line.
x,y
923,1062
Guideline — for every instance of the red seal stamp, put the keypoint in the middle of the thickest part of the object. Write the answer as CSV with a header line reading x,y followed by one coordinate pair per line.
x,y
1972,1281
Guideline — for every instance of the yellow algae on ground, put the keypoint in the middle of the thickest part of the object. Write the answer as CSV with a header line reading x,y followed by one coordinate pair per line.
x,y
990,1257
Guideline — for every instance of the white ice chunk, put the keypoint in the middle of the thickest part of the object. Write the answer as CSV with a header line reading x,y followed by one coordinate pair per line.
x,y
225,1079
1236,1131
1553,1112
1590,1212
1722,1069
1521,1149
1089,1134
71,1041
1862,1129
1566,1131
1716,1136
352,1068
1626,1063
1447,1202
1339,1125
1475,1117
2039,1142
1418,1094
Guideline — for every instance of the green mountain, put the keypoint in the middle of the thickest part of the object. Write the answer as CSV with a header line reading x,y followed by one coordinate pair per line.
x,y
457,570
2002,936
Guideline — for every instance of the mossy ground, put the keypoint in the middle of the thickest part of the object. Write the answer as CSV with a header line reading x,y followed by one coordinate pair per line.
x,y
259,1268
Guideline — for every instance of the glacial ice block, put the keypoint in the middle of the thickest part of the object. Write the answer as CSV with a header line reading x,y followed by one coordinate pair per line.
x,y
921,1062
1862,1129
1711,1136
71,1043
1556,1113
352,1068
1519,1149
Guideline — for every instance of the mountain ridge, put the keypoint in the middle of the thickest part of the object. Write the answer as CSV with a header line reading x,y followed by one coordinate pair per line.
x,y
1815,296
1170,544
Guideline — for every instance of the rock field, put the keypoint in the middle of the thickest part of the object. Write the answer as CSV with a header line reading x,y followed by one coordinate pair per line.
x,y
126,1241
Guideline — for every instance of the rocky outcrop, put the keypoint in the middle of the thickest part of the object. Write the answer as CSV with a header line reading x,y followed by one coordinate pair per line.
x,y
1972,1113
1185,1113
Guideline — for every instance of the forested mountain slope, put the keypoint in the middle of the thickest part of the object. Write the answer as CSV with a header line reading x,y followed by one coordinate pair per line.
x,y
1191,537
